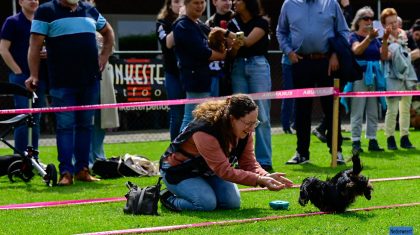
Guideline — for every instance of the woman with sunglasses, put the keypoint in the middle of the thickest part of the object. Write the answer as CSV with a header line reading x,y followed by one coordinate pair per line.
x,y
215,152
367,49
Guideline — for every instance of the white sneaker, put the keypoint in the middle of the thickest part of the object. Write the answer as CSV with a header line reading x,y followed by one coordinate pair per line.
x,y
340,159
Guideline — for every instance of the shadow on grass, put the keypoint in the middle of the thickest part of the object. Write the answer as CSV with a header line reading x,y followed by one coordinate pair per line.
x,y
357,215
391,155
348,214
35,187
219,215
320,170
247,213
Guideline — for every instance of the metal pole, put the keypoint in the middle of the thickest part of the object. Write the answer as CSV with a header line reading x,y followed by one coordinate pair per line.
x,y
14,7
379,10
208,8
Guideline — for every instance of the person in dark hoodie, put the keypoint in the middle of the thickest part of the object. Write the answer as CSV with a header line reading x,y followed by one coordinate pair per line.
x,y
166,17
194,54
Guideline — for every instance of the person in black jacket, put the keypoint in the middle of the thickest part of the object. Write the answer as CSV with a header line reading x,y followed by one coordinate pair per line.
x,y
220,70
348,13
194,54
168,14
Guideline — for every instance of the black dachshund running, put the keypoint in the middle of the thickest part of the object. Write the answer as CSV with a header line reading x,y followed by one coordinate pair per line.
x,y
336,194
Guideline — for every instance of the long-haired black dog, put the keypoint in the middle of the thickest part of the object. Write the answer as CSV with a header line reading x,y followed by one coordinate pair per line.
x,y
336,194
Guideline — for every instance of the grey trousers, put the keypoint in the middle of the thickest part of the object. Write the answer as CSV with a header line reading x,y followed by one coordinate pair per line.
x,y
359,107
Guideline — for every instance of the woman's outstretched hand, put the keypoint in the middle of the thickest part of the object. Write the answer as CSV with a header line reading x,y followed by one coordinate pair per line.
x,y
281,178
274,182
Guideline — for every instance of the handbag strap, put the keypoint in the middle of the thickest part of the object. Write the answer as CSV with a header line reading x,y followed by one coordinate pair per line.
x,y
235,22
139,202
118,167
158,183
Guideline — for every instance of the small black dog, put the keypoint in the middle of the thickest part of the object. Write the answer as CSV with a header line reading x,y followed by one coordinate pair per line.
x,y
336,194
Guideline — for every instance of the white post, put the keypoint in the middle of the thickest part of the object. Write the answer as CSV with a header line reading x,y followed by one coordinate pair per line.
x,y
208,8
14,7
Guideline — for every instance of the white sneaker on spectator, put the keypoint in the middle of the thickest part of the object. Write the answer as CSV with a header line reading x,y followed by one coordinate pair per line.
x,y
340,159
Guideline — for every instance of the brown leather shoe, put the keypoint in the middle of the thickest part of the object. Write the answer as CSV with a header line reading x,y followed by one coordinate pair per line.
x,y
66,179
84,175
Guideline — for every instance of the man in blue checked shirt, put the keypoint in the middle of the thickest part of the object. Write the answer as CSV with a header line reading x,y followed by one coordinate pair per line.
x,y
68,28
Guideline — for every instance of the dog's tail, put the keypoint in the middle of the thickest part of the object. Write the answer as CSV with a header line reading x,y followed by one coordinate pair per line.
x,y
357,166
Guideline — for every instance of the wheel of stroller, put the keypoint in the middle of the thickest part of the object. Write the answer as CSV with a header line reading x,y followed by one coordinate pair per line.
x,y
18,169
51,177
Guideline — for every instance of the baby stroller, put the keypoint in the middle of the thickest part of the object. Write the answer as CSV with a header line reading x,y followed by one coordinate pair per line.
x,y
22,164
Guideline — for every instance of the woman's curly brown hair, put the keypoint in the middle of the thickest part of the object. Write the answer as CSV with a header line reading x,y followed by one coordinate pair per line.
x,y
219,113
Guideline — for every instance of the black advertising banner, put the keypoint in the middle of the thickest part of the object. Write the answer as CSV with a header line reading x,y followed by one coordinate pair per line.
x,y
140,80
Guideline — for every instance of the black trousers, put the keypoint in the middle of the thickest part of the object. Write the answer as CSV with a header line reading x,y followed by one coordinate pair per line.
x,y
309,73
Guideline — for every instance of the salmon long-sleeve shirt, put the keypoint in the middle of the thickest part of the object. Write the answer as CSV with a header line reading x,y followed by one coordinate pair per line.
x,y
207,146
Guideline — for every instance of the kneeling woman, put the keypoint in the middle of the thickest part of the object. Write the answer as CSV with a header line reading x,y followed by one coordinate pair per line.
x,y
215,151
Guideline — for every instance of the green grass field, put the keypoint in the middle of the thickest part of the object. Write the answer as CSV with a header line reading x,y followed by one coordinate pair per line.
x,y
109,216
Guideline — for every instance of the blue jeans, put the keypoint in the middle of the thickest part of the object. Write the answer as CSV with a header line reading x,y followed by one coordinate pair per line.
x,y
214,89
74,129
204,194
98,136
252,75
21,132
287,105
174,91
189,108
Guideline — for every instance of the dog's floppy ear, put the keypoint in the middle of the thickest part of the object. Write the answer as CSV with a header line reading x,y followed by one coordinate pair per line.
x,y
303,197
357,166
368,191
304,194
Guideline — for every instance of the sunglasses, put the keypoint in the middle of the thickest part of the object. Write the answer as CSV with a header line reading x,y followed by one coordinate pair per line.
x,y
366,18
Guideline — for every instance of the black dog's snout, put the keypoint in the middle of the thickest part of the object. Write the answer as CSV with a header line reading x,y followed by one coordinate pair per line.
x,y
367,194
303,197
302,202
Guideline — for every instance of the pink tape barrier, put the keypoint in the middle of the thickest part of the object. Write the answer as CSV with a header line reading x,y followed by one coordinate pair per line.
x,y
378,93
241,221
307,92
281,94
60,203
117,199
